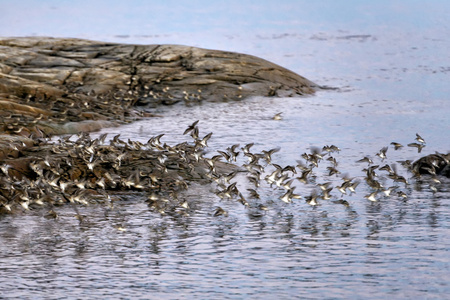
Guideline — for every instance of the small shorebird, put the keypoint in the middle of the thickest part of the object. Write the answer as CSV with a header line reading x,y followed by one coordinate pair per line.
x,y
289,195
220,212
396,145
203,142
190,127
372,196
268,154
382,153
247,147
277,117
365,159
419,139
253,193
417,145
312,198
387,192
326,194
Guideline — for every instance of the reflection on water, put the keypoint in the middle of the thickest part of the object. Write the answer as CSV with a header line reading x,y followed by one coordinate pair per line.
x,y
367,249
387,248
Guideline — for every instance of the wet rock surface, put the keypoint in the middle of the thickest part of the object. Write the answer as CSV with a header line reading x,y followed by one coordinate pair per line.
x,y
48,82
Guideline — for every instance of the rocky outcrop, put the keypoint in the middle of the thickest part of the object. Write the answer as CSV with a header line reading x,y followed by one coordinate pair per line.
x,y
46,82
54,86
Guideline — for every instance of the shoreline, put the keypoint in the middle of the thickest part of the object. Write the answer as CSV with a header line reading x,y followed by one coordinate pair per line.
x,y
65,86
55,86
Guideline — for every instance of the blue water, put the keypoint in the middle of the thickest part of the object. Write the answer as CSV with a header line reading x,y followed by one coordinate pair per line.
x,y
391,63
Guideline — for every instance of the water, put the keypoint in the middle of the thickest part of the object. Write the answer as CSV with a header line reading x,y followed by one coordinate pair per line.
x,y
389,60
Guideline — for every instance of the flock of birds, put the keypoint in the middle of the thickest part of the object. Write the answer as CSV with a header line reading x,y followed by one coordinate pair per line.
x,y
260,169
117,106
81,170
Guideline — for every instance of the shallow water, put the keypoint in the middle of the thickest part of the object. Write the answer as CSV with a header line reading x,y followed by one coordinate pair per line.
x,y
392,85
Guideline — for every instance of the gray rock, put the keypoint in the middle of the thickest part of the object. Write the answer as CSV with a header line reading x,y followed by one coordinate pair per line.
x,y
56,80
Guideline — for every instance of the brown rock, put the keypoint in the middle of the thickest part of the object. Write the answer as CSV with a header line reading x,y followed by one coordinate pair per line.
x,y
57,85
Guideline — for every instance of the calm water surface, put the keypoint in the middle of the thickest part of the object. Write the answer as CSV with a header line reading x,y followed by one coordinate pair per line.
x,y
390,62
